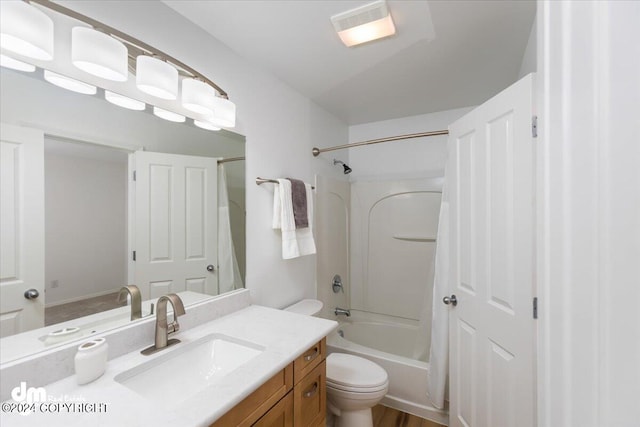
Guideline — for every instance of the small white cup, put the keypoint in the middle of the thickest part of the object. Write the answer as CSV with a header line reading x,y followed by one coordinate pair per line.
x,y
91,360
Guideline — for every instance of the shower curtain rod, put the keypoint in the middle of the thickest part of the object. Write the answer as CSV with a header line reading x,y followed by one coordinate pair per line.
x,y
316,151
230,159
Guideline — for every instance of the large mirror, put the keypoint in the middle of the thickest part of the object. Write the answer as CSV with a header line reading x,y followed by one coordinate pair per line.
x,y
103,230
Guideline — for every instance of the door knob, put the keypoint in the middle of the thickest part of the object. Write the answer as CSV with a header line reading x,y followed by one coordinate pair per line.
x,y
31,294
210,268
450,300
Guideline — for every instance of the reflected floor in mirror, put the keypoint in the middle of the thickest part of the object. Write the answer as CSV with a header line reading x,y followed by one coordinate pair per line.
x,y
389,417
81,308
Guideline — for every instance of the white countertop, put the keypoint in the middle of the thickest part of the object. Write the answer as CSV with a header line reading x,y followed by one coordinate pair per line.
x,y
284,336
31,342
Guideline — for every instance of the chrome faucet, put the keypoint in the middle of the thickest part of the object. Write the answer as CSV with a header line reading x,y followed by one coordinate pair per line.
x,y
136,300
163,329
338,311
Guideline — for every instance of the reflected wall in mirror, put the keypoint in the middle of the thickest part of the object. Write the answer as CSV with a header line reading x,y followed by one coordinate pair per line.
x,y
93,213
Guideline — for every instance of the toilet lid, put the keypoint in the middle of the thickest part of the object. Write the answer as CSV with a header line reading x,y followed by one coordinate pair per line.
x,y
353,372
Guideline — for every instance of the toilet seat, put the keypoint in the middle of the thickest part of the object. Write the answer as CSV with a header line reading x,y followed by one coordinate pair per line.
x,y
357,390
355,374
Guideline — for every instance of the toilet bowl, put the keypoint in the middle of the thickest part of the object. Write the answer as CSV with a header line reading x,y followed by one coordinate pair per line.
x,y
354,384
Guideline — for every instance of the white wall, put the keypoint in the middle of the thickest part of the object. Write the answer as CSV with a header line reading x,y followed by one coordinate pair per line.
x,y
280,124
413,157
85,226
589,213
529,58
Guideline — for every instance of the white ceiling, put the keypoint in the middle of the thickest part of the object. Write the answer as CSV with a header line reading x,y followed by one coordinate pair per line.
x,y
446,54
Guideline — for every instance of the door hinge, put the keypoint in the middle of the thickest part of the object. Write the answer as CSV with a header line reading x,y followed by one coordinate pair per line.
x,y
134,255
534,126
134,175
535,307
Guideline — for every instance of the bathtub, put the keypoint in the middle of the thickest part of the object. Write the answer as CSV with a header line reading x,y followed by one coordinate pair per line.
x,y
390,345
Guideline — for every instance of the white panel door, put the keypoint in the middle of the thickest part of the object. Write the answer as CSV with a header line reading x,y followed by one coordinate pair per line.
x,y
492,340
21,228
176,225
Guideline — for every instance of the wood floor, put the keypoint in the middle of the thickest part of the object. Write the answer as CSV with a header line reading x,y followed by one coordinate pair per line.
x,y
388,417
73,310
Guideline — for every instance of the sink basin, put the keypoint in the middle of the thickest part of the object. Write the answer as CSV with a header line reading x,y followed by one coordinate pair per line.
x,y
188,368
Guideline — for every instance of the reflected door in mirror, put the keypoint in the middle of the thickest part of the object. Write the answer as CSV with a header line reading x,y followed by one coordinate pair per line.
x,y
176,224
22,229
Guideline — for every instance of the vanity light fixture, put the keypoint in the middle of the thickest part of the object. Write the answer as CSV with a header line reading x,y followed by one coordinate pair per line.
x,y
224,113
99,54
205,125
197,96
168,115
106,52
25,30
124,101
69,83
14,64
156,77
364,24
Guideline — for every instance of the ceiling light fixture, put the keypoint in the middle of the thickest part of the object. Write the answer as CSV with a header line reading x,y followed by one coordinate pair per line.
x,y
364,24
156,77
99,54
124,101
14,64
69,83
26,30
168,115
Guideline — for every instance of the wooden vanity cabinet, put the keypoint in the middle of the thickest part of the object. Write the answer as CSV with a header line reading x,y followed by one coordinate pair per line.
x,y
296,396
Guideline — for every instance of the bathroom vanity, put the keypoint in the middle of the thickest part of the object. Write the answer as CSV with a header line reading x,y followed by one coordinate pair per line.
x,y
294,396
244,365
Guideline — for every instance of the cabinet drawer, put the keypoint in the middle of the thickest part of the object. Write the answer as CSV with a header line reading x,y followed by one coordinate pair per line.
x,y
281,415
309,360
257,403
310,398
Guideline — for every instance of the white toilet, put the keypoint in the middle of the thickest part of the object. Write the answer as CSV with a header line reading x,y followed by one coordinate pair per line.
x,y
354,384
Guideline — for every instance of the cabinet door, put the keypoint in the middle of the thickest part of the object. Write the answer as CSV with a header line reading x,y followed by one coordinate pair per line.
x,y
281,415
310,398
309,360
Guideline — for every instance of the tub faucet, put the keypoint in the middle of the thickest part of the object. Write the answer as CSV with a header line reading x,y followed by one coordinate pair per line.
x,y
338,311
136,300
163,329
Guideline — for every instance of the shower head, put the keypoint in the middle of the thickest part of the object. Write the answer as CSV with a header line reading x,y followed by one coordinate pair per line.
x,y
347,169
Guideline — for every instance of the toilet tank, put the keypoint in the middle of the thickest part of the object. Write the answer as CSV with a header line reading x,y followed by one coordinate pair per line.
x,y
309,307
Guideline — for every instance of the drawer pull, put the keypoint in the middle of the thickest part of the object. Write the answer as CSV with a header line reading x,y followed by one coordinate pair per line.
x,y
312,356
311,392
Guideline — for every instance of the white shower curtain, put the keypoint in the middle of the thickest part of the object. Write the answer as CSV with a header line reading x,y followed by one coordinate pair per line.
x,y
439,352
229,277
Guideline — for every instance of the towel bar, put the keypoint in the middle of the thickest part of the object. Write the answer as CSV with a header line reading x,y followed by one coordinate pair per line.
x,y
260,181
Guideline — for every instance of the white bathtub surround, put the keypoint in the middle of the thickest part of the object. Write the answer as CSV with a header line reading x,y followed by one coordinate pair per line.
x,y
295,242
439,351
283,335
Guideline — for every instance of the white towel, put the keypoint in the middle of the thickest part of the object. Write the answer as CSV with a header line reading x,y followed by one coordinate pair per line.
x,y
439,352
295,243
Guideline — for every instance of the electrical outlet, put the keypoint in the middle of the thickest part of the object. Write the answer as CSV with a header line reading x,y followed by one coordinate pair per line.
x,y
54,284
